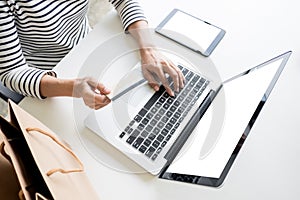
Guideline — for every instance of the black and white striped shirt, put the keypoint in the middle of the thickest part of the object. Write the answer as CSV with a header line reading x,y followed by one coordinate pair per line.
x,y
36,34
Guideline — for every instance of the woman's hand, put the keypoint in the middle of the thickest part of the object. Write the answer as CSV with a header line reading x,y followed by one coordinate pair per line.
x,y
92,92
155,65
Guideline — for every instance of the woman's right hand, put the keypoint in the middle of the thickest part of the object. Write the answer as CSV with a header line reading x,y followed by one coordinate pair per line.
x,y
92,92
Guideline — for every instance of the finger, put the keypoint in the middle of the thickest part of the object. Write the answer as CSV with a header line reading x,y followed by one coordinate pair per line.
x,y
174,75
179,74
95,104
94,100
98,87
151,80
101,101
103,90
161,75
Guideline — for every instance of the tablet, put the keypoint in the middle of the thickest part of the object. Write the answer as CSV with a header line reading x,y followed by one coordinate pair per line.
x,y
191,32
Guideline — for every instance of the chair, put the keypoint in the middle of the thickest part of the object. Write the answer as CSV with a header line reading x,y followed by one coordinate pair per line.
x,y
6,94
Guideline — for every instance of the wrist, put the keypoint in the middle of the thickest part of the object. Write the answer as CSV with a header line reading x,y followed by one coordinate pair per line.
x,y
51,86
147,50
140,31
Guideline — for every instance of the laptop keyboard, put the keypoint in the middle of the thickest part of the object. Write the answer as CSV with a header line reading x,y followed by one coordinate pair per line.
x,y
156,122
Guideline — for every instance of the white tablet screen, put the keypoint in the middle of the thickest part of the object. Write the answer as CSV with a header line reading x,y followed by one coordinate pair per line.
x,y
190,31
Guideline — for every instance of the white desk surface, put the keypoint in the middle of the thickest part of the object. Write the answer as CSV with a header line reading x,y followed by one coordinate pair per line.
x,y
267,166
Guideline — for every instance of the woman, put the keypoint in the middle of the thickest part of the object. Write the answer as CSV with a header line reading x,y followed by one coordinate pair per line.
x,y
36,34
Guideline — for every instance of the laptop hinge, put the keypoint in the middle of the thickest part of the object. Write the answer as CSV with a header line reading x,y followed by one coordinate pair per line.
x,y
189,127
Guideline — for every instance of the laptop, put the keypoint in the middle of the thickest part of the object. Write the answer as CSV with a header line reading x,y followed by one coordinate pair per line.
x,y
152,127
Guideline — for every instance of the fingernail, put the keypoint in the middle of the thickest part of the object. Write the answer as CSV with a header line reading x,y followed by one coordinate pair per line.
x,y
172,93
106,90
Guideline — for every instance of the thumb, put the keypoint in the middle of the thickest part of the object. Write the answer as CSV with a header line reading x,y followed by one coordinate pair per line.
x,y
103,90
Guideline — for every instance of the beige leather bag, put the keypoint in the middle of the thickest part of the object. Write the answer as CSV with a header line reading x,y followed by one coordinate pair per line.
x,y
45,167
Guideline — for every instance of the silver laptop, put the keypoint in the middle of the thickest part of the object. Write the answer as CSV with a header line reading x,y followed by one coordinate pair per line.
x,y
151,127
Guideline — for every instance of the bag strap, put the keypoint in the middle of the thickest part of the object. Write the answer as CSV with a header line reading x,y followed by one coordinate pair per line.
x,y
52,171
3,153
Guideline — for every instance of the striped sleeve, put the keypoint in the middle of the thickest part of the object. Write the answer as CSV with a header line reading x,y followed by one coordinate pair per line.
x,y
14,71
129,11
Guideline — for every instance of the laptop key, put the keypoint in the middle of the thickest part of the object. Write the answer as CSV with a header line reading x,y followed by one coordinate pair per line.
x,y
162,99
158,150
164,119
163,144
122,135
138,142
142,149
173,108
173,120
189,76
151,136
145,121
140,127
169,114
160,125
143,112
173,131
149,128
154,157
157,117
166,106
138,118
147,142
156,143
170,100
169,126
160,138
149,115
145,133
130,131
153,122
168,137
184,71
150,151
164,132
166,95
130,139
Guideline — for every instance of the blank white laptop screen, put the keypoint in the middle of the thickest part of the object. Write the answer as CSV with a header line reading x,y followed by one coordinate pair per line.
x,y
242,96
241,99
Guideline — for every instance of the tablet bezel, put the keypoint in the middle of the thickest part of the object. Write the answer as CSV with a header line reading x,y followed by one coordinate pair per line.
x,y
207,52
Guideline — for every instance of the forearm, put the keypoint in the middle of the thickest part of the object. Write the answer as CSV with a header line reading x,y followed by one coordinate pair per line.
x,y
51,86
